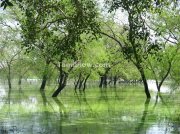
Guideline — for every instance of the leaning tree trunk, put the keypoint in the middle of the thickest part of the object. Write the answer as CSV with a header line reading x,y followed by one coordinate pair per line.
x,y
81,83
62,83
45,76
84,86
77,83
165,76
146,89
43,84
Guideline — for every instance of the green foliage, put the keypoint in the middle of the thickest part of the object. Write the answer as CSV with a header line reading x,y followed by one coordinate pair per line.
x,y
61,22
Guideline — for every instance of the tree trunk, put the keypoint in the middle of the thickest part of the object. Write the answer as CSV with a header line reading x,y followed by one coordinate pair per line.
x,y
58,90
20,80
101,82
9,82
62,83
45,76
111,80
77,83
146,89
43,84
165,76
115,81
9,77
81,83
105,81
84,87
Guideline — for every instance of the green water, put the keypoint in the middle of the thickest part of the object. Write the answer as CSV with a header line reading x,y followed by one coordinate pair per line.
x,y
123,110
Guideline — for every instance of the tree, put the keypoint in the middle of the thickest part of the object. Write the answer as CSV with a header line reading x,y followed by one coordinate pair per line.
x,y
136,42
54,27
10,46
167,29
161,63
91,58
133,46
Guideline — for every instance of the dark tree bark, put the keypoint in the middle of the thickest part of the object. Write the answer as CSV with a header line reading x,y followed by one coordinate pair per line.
x,y
63,76
62,80
84,86
45,76
20,80
163,79
9,76
9,82
77,83
62,83
81,83
111,80
101,81
105,81
43,84
146,89
115,80
103,78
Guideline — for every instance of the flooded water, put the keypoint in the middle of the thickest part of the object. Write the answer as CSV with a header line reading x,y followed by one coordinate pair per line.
x,y
107,111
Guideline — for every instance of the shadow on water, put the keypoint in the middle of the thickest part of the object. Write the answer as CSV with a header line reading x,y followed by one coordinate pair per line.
x,y
116,94
44,99
52,120
159,98
62,109
139,128
103,95
83,103
62,115
3,126
45,115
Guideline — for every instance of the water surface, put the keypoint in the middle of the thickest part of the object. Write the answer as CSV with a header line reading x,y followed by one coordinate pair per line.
x,y
98,111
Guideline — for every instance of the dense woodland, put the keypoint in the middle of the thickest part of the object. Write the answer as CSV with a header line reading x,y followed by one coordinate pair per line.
x,y
73,42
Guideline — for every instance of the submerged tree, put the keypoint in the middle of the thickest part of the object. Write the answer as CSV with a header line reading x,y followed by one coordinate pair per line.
x,y
136,44
167,30
9,46
54,27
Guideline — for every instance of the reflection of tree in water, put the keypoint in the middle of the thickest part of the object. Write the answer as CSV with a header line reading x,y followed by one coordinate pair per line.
x,y
139,129
49,119
6,126
106,104
3,129
170,125
87,116
143,118
84,105
116,94
62,114
45,115
159,98
104,97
